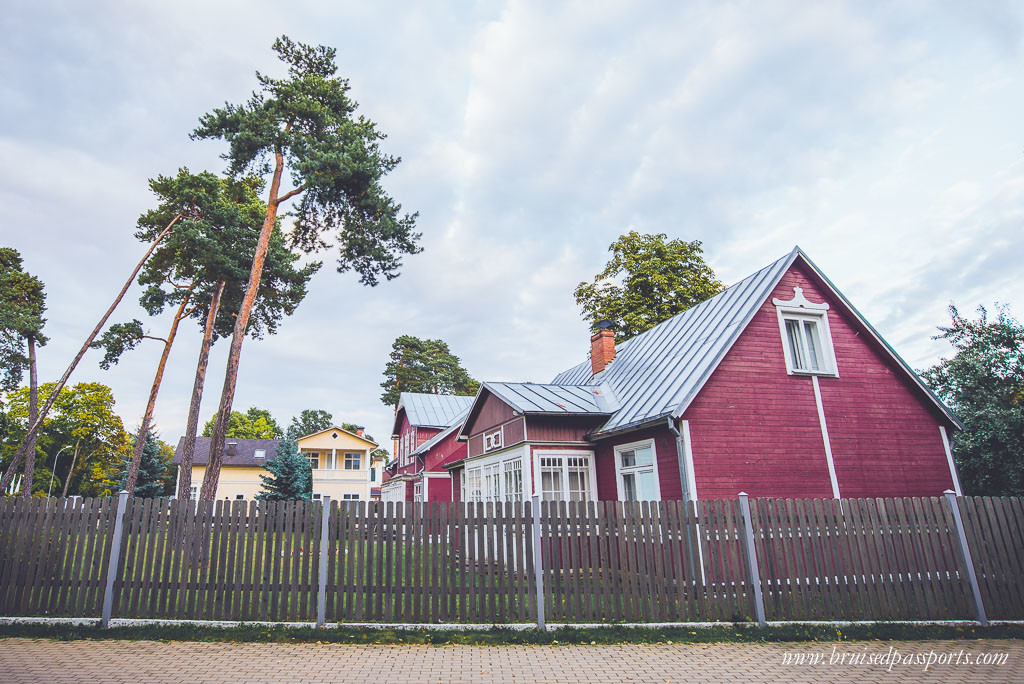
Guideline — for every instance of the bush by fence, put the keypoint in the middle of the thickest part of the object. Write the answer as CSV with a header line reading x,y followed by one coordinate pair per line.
x,y
850,559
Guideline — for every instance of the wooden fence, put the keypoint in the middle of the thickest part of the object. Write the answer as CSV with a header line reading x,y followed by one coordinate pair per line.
x,y
850,559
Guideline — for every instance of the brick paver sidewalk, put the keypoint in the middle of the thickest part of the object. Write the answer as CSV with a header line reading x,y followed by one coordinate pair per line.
x,y
42,660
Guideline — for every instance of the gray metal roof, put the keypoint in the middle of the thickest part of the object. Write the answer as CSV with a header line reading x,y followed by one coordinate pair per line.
x,y
433,410
565,398
659,372
457,424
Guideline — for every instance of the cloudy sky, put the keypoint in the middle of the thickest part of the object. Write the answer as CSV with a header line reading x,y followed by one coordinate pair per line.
x,y
883,138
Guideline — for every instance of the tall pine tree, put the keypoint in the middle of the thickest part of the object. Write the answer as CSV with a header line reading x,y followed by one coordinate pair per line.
x,y
291,477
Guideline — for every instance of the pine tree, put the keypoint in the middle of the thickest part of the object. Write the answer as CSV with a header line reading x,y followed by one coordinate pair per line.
x,y
154,469
292,477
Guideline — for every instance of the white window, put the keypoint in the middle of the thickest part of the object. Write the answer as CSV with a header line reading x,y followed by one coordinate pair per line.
x,y
314,459
350,497
193,492
492,440
512,477
566,477
317,496
806,338
473,485
260,453
636,466
353,461
417,491
239,497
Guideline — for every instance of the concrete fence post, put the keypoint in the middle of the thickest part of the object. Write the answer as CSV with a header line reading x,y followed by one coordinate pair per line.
x,y
753,574
321,594
114,559
965,555
538,563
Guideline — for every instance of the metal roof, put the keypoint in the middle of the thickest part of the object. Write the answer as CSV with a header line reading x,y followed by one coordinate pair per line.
x,y
660,371
527,397
432,410
430,443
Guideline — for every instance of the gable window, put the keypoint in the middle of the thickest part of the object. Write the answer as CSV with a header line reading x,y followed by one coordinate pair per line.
x,y
353,461
806,338
637,471
492,440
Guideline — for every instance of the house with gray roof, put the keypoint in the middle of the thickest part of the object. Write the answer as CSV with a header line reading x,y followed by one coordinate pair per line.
x,y
777,386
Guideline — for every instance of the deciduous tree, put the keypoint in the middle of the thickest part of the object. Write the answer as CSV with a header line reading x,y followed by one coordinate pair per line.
x,y
256,423
309,421
305,124
426,366
983,382
649,279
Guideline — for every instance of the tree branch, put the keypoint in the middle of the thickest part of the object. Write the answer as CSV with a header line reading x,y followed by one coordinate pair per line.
x,y
150,337
291,193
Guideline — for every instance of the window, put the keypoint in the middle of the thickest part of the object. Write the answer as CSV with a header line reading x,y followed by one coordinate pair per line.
x,y
350,497
314,459
317,496
193,492
260,453
373,474
239,497
513,479
417,491
492,440
565,477
473,485
806,338
637,470
353,461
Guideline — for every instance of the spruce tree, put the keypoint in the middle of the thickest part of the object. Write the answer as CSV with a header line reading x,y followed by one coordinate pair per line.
x,y
154,469
291,476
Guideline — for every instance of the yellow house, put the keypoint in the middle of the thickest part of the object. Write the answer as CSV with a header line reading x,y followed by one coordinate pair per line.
x,y
341,463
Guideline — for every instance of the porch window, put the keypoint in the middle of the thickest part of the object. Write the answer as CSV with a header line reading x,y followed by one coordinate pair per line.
x,y
353,461
314,459
637,470
473,485
565,478
513,479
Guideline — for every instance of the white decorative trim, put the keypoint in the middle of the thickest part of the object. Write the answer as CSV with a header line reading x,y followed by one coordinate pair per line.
x,y
950,461
799,302
688,456
618,465
825,439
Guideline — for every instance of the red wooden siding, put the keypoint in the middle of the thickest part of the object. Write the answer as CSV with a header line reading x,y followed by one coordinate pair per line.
x,y
492,412
438,488
476,445
457,484
665,451
560,428
755,429
515,432
444,452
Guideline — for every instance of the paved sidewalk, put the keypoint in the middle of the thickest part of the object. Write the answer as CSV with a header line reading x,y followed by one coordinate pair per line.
x,y
42,660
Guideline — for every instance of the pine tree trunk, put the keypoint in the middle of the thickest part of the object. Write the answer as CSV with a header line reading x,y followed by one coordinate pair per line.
x,y
71,471
33,429
33,409
227,396
147,418
192,426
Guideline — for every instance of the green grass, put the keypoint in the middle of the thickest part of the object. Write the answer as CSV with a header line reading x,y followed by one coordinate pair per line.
x,y
500,636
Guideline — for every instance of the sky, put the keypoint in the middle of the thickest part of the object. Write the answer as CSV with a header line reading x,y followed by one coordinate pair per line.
x,y
885,139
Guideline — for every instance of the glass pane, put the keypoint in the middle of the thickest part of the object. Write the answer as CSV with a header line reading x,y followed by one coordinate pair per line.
x,y
628,458
629,487
795,347
551,484
647,492
813,345
644,456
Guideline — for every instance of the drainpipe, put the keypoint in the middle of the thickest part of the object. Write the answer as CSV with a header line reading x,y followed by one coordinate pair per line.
x,y
681,460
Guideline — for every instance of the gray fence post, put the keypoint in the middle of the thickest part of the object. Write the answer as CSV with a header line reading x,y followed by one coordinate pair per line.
x,y
752,572
321,595
965,554
115,558
538,563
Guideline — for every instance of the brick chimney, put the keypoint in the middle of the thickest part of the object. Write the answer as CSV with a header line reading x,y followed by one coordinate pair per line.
x,y
602,346
360,430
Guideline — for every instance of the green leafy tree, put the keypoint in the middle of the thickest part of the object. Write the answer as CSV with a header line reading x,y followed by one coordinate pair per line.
x,y
81,432
291,477
983,382
305,123
155,473
309,421
378,454
649,279
22,303
256,423
425,366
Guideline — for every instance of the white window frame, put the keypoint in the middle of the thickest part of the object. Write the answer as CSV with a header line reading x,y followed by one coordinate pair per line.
x,y
493,469
592,488
359,460
350,497
193,492
317,496
239,497
417,491
632,446
800,309
309,457
259,453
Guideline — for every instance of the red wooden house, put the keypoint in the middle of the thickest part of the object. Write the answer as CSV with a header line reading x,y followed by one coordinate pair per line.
x,y
776,387
426,434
